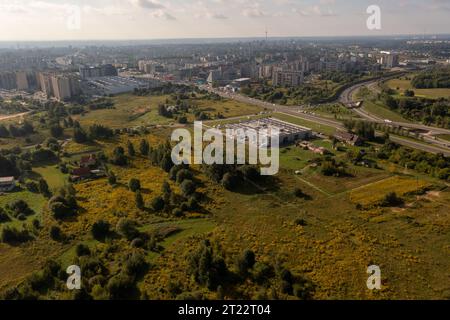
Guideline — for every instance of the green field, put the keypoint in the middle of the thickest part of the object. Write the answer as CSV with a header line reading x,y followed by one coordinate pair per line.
x,y
35,201
382,112
53,176
131,110
400,85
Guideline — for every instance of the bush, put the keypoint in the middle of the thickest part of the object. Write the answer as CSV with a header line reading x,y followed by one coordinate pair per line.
x,y
229,181
32,186
391,199
82,250
4,216
158,204
12,235
187,187
177,212
137,243
139,200
43,188
20,207
262,272
60,210
245,262
135,264
134,185
55,233
120,286
183,174
112,179
127,228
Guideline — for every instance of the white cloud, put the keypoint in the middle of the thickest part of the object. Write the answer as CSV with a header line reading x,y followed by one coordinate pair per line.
x,y
149,4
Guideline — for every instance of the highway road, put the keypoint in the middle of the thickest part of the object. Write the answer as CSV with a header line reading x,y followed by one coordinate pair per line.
x,y
295,111
347,98
429,133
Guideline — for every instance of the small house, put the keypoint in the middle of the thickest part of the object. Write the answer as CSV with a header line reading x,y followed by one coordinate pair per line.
x,y
7,184
348,138
88,161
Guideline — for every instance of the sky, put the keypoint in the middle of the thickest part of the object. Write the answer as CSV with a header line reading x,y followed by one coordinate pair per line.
x,y
46,20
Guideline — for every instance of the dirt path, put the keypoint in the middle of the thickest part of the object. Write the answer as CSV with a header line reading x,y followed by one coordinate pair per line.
x,y
9,117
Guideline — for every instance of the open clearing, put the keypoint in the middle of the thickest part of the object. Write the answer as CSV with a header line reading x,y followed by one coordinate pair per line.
x,y
374,193
400,85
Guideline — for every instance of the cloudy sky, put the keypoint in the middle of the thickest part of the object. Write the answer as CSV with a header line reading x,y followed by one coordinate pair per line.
x,y
156,19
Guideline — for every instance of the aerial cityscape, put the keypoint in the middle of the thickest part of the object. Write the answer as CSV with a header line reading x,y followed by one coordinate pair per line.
x,y
224,150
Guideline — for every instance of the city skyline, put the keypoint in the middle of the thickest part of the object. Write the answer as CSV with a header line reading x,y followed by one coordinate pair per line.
x,y
48,20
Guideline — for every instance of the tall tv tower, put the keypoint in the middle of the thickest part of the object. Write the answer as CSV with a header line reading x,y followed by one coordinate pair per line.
x,y
266,34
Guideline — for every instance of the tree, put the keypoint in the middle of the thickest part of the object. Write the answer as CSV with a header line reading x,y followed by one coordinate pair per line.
x,y
144,147
391,199
139,200
130,148
409,93
182,120
20,207
55,233
100,230
112,179
119,157
134,185
127,228
43,188
60,210
187,187
229,181
207,266
158,203
82,250
166,188
79,135
56,131
245,262
4,133
184,174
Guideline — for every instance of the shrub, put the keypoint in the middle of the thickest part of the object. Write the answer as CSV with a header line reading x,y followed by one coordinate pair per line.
x,y
127,228
32,186
112,179
12,235
82,250
4,216
135,264
177,212
137,243
391,199
262,272
139,200
144,147
184,174
229,181
134,185
119,286
43,188
20,207
55,233
60,210
187,187
100,230
158,204
245,262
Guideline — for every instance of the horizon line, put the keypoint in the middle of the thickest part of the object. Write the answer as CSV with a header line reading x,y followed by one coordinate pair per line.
x,y
234,38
